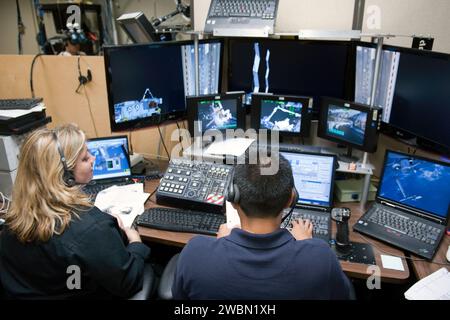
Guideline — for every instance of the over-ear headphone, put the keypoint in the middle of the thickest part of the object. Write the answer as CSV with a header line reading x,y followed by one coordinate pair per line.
x,y
296,196
233,194
68,177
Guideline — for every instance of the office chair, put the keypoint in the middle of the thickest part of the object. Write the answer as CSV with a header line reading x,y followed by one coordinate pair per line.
x,y
165,284
148,286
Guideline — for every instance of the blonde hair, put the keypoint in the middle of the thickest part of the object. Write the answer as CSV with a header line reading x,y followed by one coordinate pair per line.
x,y
42,204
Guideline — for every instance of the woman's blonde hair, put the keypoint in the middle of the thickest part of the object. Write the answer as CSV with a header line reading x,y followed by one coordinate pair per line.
x,y
42,204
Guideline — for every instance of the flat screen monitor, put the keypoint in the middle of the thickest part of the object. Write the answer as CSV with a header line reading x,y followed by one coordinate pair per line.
x,y
290,67
416,182
148,84
111,157
313,177
215,112
349,123
413,91
289,115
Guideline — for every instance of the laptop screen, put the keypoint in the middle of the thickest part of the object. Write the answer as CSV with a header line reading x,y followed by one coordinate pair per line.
x,y
111,157
416,182
313,177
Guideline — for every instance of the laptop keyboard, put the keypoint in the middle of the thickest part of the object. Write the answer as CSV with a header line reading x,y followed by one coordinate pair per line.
x,y
321,222
405,225
94,189
264,9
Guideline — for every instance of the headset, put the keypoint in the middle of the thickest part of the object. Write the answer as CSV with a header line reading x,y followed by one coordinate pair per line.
x,y
233,195
68,177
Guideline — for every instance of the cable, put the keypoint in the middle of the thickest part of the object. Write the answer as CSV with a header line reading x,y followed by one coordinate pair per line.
x,y
179,137
151,194
404,257
20,27
90,110
83,80
5,203
131,142
31,73
164,144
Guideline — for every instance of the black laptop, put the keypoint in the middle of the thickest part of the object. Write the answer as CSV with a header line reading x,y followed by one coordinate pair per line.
x,y
314,180
112,163
412,204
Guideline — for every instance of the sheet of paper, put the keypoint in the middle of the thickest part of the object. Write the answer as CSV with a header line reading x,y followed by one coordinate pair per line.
x,y
125,201
390,262
15,113
234,147
233,219
436,286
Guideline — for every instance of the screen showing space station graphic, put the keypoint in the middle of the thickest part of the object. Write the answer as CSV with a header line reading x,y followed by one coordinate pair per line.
x,y
111,158
346,124
417,183
283,116
217,114
154,80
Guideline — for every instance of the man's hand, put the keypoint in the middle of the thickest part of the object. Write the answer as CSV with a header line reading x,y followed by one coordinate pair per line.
x,y
302,230
224,230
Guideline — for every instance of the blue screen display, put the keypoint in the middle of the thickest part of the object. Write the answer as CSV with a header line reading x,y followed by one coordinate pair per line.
x,y
313,177
346,124
111,158
418,183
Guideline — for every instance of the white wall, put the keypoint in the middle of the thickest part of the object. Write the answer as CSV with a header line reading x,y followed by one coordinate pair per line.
x,y
420,17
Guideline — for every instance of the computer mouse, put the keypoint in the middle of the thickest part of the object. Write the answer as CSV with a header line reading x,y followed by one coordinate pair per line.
x,y
448,253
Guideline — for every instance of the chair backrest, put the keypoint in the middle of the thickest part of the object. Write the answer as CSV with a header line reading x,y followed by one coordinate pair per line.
x,y
165,284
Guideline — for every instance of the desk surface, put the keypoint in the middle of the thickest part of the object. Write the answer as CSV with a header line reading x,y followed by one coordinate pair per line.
x,y
354,270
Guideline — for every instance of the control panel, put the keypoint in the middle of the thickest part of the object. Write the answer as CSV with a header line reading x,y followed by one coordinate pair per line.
x,y
195,185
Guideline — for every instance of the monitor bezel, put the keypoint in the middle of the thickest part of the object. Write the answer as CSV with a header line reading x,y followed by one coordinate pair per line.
x,y
347,81
158,119
192,110
425,213
370,134
127,151
335,167
389,128
305,126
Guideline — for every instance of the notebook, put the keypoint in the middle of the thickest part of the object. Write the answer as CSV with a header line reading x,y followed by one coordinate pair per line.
x,y
314,180
241,17
112,162
412,204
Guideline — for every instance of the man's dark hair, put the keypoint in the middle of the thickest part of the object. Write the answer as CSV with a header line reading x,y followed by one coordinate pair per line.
x,y
264,195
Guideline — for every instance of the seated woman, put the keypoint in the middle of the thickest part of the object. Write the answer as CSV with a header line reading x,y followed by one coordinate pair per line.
x,y
55,243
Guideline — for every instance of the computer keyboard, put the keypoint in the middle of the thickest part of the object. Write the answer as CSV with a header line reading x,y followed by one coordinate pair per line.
x,y
321,222
26,104
181,220
94,189
405,225
264,9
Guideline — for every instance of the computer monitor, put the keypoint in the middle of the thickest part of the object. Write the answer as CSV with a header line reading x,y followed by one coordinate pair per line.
x,y
415,182
111,157
313,177
355,125
215,112
413,92
148,84
290,67
289,115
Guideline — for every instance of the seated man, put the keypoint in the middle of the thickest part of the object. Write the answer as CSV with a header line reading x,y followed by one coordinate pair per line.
x,y
260,260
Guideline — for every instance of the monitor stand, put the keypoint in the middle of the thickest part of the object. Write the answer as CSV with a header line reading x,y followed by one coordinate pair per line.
x,y
349,158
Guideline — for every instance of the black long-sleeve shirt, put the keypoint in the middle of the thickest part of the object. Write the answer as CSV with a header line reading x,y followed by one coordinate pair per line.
x,y
93,247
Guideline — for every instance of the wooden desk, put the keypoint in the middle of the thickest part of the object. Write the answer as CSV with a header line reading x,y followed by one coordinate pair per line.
x,y
423,268
354,270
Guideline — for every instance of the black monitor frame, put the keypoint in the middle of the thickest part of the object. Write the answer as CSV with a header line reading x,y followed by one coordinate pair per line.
x,y
372,124
192,109
391,129
347,81
307,111
157,119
